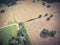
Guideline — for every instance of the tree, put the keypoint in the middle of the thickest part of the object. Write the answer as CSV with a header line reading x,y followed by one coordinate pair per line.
x,y
1,42
33,1
48,6
13,41
2,11
25,42
40,16
52,33
43,3
51,16
46,15
48,19
19,40
38,0
45,31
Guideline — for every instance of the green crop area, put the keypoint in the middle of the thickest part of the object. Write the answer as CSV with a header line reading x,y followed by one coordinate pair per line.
x,y
7,33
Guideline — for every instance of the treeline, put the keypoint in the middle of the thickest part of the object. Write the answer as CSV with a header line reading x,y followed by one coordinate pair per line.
x,y
51,1
7,2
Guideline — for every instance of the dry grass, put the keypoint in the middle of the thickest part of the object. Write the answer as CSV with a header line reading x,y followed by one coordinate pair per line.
x,y
28,10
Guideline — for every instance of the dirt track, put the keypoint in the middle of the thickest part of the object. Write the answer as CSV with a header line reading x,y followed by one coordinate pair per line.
x,y
28,10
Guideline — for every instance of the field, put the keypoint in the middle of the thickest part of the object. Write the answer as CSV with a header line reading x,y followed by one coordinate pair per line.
x,y
26,10
7,33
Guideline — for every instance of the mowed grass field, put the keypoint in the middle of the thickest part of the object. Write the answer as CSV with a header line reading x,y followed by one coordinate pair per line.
x,y
7,33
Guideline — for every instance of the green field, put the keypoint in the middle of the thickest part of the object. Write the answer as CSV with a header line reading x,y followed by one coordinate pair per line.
x,y
7,33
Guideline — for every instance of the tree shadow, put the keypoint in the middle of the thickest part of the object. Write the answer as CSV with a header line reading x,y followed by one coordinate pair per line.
x,y
1,42
43,35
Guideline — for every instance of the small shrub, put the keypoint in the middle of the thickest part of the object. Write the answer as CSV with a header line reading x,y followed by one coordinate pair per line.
x,y
33,1
48,19
43,3
46,14
51,16
39,16
48,6
2,11
38,0
19,40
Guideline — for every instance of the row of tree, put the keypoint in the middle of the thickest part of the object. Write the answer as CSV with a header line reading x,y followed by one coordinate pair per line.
x,y
51,1
7,2
45,32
